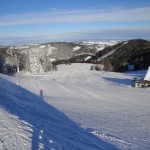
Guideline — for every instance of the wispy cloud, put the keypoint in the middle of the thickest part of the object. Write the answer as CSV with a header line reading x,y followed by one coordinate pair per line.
x,y
122,33
77,16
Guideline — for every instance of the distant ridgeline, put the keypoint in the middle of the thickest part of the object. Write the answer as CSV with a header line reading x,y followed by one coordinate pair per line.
x,y
45,57
41,58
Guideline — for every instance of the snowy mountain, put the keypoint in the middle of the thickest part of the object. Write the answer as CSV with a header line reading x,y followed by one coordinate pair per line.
x,y
98,45
59,50
117,58
39,58
43,55
74,108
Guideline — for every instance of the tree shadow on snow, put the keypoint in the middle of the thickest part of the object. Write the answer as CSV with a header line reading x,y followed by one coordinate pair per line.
x,y
50,127
119,81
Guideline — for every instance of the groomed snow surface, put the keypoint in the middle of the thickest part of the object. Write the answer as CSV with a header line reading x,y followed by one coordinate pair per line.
x,y
74,108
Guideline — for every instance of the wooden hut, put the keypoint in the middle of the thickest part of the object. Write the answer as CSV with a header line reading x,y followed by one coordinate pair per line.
x,y
145,83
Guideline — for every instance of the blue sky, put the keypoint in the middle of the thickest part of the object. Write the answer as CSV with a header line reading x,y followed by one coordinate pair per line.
x,y
58,20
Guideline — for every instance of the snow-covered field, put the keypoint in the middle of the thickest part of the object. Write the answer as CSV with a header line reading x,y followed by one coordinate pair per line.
x,y
74,108
98,45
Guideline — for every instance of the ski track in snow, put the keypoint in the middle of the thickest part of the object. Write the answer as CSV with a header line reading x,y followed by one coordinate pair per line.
x,y
102,103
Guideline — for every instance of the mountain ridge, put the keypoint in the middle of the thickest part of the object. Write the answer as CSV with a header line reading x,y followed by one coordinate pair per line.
x,y
115,56
133,52
44,53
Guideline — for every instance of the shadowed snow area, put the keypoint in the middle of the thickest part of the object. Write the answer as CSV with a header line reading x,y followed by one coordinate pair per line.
x,y
31,123
74,108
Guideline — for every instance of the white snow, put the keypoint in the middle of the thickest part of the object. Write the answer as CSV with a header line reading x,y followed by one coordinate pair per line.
x,y
50,49
52,59
42,46
76,48
125,43
87,58
147,76
110,53
34,64
98,45
78,109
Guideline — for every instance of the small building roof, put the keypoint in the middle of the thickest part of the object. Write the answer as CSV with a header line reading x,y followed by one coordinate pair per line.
x,y
147,76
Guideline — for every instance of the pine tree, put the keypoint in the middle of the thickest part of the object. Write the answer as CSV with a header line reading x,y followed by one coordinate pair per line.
x,y
33,63
47,64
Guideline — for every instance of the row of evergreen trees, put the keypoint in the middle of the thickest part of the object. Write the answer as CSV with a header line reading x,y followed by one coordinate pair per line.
x,y
6,68
30,62
36,65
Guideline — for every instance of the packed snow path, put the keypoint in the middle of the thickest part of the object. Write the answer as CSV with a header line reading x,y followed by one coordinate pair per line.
x,y
78,109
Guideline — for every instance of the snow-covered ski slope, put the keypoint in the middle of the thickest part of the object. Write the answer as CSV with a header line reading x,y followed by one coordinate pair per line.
x,y
74,108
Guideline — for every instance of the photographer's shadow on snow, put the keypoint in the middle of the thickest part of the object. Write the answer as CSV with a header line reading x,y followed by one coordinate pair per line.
x,y
51,129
